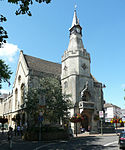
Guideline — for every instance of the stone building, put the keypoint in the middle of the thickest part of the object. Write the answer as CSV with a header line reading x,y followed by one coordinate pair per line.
x,y
76,79
2,98
29,71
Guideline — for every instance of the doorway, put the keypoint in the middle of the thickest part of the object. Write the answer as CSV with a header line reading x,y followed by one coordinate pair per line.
x,y
85,122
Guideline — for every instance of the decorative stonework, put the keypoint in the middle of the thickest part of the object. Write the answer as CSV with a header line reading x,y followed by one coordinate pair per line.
x,y
84,66
65,68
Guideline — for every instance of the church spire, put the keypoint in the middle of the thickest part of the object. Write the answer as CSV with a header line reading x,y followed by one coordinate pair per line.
x,y
75,28
75,42
75,19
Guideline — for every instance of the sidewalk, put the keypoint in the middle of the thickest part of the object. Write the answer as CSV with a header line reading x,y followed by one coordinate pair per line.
x,y
87,134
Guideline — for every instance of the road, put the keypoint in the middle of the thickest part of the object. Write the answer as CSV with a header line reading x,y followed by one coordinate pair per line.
x,y
84,143
105,142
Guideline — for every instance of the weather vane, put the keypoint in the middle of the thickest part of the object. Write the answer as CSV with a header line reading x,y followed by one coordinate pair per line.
x,y
75,7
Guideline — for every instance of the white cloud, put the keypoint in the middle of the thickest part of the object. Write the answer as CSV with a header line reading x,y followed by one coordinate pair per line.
x,y
5,91
8,51
123,85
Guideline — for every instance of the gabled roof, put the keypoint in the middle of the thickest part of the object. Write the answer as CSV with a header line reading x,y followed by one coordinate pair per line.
x,y
110,105
41,65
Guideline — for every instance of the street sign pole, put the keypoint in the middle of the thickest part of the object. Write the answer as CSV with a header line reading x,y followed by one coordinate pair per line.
x,y
101,127
40,132
40,118
101,115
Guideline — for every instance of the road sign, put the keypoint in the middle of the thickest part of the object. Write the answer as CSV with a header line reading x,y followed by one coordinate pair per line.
x,y
101,114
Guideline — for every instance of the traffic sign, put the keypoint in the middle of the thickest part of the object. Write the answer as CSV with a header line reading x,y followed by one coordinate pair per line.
x,y
101,114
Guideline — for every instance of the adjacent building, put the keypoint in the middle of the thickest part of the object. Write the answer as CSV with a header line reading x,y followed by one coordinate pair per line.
x,y
111,111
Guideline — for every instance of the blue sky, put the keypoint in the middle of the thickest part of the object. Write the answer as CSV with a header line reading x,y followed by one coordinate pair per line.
x,y
46,35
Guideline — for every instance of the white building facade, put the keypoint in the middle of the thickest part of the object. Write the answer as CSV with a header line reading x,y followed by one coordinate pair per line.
x,y
111,111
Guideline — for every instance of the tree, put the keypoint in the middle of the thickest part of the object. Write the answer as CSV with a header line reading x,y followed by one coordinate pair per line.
x,y
5,73
23,9
3,33
49,95
57,104
3,120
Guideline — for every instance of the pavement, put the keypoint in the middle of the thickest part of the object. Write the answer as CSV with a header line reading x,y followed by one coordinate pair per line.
x,y
88,134
118,130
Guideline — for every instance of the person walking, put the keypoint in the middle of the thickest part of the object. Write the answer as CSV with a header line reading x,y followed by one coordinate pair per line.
x,y
18,130
15,130
21,130
10,135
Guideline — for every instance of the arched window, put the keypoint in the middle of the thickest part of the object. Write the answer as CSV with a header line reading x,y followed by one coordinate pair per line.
x,y
16,98
19,79
22,92
65,84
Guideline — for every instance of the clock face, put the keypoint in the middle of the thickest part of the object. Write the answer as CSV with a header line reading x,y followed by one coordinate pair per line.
x,y
78,30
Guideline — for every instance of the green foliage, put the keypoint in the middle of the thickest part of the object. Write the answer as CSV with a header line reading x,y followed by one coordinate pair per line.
x,y
3,120
31,99
3,32
5,72
56,105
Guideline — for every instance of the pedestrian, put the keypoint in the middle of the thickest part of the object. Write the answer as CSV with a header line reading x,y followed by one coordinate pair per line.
x,y
10,135
21,130
18,130
15,130
70,132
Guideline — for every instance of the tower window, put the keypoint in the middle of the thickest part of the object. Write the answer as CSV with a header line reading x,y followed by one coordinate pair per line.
x,y
65,84
19,79
84,66
65,68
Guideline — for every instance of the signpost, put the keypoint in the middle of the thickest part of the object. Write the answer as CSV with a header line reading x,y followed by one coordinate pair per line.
x,y
101,115
40,118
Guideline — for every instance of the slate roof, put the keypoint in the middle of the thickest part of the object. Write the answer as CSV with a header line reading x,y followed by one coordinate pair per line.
x,y
110,105
41,65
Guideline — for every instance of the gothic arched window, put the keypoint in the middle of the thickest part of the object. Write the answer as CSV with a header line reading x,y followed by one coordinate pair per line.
x,y
19,79
22,92
65,84
16,97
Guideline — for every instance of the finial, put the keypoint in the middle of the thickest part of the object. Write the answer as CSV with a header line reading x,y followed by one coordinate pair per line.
x,y
75,7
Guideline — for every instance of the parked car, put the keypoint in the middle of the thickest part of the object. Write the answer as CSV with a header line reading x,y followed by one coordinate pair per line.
x,y
122,140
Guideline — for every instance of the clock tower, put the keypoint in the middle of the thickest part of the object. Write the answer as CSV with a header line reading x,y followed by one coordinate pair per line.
x,y
75,63
77,80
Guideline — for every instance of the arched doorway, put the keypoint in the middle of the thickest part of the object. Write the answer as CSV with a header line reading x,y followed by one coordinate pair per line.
x,y
85,122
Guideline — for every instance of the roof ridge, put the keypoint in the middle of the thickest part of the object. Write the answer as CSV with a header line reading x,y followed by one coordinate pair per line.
x,y
42,59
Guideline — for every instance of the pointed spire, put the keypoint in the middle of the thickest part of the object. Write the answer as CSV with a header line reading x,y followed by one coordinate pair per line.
x,y
75,19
